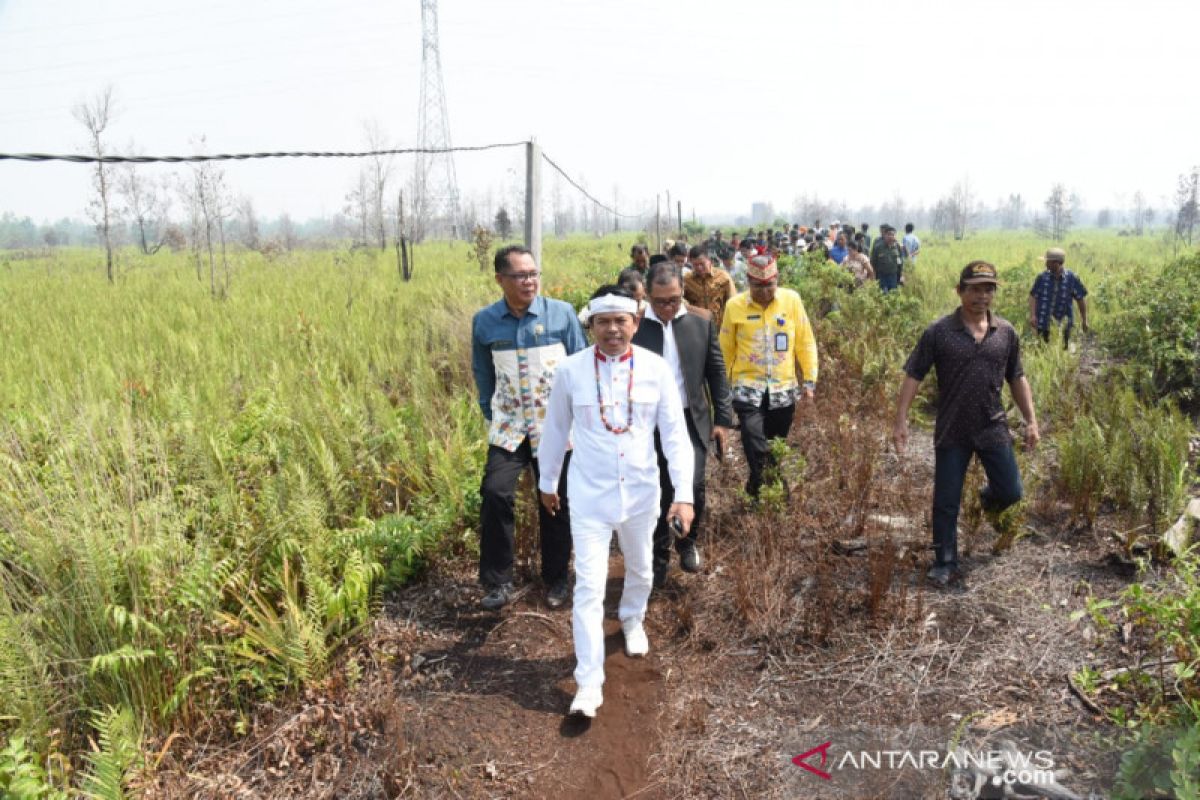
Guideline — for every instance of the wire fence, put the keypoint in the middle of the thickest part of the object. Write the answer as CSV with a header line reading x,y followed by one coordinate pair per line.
x,y
203,157
87,159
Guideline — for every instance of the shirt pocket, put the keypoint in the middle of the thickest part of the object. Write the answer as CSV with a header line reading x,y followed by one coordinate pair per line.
x,y
584,405
645,406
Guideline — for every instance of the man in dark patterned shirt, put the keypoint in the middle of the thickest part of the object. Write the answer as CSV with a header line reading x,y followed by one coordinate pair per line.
x,y
1051,296
974,352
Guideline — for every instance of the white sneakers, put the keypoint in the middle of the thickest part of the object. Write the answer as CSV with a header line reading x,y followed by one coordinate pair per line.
x,y
587,700
636,643
590,698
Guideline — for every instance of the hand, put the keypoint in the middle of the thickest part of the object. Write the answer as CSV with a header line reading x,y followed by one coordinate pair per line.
x,y
1033,323
684,512
551,502
1032,435
1083,324
720,435
900,436
808,397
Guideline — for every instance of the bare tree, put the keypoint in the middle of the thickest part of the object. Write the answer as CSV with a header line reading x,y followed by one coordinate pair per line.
x,y
145,205
96,115
1139,213
1059,212
959,205
287,232
1187,195
210,200
378,172
195,222
248,220
418,212
358,208
810,208
1014,213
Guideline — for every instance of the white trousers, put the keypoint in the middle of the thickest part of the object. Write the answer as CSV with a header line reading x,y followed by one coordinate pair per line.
x,y
591,540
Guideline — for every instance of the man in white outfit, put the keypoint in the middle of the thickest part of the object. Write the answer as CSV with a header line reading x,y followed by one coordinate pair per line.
x,y
608,400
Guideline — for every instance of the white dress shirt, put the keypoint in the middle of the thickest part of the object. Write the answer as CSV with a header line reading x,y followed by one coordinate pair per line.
x,y
614,476
670,351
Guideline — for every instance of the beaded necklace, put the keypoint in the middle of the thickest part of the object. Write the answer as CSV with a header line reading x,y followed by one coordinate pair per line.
x,y
629,391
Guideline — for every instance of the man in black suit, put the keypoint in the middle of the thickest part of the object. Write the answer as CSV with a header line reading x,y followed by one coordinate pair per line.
x,y
688,342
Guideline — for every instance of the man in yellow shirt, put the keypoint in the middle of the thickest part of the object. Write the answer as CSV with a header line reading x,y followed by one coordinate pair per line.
x,y
771,356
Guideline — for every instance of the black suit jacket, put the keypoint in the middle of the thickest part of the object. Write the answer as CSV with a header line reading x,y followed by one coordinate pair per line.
x,y
702,365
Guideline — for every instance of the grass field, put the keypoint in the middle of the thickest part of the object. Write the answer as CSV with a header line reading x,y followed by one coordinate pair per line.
x,y
200,498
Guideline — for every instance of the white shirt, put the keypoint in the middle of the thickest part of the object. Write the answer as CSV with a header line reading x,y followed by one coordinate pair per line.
x,y
614,476
670,351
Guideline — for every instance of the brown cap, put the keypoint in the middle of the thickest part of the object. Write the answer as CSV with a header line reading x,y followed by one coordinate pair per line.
x,y
978,272
762,268
1055,254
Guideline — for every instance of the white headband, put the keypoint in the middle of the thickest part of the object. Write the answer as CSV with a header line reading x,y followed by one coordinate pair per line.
x,y
610,303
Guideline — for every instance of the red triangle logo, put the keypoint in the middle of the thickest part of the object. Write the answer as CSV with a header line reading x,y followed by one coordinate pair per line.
x,y
802,760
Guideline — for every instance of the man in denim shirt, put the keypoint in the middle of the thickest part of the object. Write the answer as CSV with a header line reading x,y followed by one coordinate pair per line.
x,y
516,344
1051,296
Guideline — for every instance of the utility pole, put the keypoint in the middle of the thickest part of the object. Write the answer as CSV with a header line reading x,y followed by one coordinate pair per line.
x,y
436,183
679,215
533,200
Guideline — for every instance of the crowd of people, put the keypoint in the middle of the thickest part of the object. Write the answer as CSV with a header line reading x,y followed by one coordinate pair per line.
x,y
881,258
618,432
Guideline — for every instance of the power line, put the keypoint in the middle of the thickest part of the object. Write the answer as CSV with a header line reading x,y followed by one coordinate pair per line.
x,y
585,192
89,159
82,159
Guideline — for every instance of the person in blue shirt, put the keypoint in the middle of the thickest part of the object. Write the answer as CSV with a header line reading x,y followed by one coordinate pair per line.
x,y
839,250
516,345
912,247
1051,297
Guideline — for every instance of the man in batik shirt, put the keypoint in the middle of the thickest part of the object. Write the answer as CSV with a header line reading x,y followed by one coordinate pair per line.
x,y
516,345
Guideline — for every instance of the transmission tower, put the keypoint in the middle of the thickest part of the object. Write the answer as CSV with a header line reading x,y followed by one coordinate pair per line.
x,y
436,208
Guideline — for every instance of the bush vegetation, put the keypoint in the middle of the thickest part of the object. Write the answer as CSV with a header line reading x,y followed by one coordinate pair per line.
x,y
200,499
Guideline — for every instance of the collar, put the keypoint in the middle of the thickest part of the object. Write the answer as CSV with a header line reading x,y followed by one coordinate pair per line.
x,y
603,357
750,303
652,314
961,325
531,311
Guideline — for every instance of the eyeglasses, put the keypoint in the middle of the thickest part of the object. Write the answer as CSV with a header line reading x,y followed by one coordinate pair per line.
x,y
666,302
523,277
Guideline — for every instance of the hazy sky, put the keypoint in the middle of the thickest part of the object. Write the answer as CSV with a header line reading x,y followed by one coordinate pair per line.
x,y
721,104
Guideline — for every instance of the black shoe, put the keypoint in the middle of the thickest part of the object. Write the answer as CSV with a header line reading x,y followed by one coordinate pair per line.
x,y
558,594
689,556
498,597
943,575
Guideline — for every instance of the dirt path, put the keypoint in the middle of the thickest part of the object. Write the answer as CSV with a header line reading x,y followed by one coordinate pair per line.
x,y
787,640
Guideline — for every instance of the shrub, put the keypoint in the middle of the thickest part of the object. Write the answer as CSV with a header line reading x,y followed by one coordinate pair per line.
x,y
1158,330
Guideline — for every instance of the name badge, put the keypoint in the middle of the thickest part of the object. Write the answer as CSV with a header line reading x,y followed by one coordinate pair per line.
x,y
781,342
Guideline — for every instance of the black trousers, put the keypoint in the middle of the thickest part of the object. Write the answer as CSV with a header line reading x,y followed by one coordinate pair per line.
x,y
1066,329
497,524
950,469
759,426
663,535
